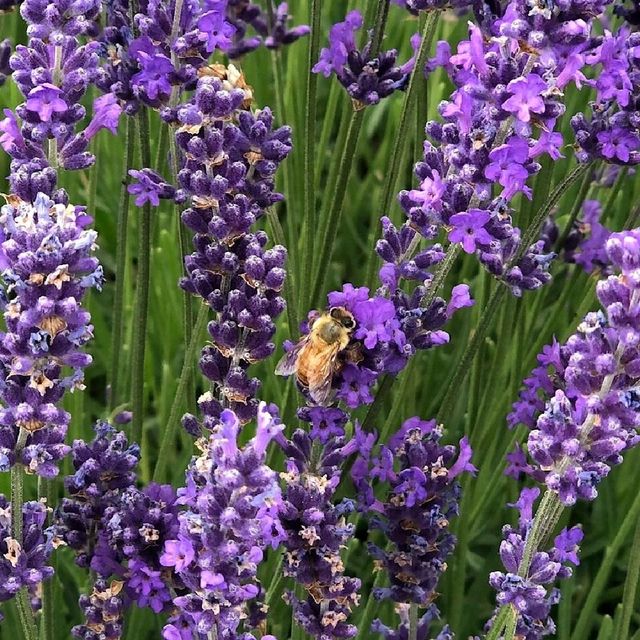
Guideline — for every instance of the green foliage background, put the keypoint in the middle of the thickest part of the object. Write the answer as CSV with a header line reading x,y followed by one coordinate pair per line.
x,y
590,605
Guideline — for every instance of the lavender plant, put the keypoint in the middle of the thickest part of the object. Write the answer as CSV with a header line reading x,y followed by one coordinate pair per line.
x,y
301,500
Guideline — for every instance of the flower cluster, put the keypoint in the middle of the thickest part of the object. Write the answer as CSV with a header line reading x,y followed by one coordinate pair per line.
x,y
368,76
483,153
419,475
230,155
588,414
23,565
316,531
409,491
104,470
531,593
47,259
271,30
232,504
613,132
53,72
160,52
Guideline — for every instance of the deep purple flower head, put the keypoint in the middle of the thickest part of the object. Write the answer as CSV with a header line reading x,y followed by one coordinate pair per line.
x,y
104,470
23,565
415,477
47,258
103,610
229,157
316,531
368,76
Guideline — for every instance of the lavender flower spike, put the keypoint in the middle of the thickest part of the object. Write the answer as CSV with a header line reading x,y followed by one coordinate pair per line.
x,y
590,414
48,264
23,565
232,504
531,595
367,76
419,496
230,155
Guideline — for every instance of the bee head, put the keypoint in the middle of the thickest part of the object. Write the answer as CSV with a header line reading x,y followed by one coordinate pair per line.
x,y
343,317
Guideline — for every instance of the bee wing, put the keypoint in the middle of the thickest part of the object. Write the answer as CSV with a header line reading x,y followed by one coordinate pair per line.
x,y
321,370
287,364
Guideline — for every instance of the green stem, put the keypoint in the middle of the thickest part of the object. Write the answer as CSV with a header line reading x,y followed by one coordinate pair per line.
x,y
499,623
441,275
185,249
25,612
408,107
586,618
575,210
533,230
278,237
168,437
464,365
364,622
413,621
337,202
47,620
141,305
630,584
310,219
121,257
511,624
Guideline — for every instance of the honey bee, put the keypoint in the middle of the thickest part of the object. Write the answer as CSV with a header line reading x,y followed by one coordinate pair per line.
x,y
314,360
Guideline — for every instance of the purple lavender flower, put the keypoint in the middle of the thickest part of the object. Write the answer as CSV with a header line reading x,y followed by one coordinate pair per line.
x,y
230,156
613,132
486,138
149,186
232,504
419,497
104,470
587,416
388,328
281,34
23,565
271,29
47,256
469,229
531,594
367,76
315,532
52,72
104,612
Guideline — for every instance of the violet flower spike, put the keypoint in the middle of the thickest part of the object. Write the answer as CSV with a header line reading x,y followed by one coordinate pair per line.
x,y
47,256
230,156
589,416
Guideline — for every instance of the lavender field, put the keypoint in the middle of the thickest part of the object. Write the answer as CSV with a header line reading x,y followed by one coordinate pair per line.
x,y
321,320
